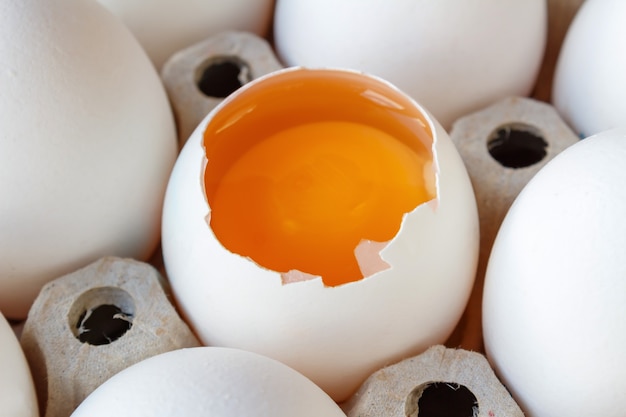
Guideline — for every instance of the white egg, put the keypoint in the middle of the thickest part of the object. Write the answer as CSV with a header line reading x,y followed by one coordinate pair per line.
x,y
164,27
208,381
554,311
17,391
88,142
415,287
452,56
589,83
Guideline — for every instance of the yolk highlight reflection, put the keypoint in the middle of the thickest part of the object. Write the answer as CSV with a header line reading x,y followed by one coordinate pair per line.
x,y
304,196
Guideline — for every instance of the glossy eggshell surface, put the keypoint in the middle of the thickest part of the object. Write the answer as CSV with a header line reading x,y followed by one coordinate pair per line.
x,y
208,381
554,312
336,336
452,56
88,142
164,27
589,83
17,391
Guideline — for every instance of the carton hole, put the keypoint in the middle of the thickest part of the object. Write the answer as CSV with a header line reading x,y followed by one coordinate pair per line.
x,y
517,145
441,399
220,76
102,315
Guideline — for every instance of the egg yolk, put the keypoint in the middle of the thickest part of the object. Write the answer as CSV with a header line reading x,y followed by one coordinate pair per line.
x,y
301,193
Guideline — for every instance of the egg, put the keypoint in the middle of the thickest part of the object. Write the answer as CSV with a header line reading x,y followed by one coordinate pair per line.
x,y
554,307
88,143
324,219
208,381
452,56
17,391
164,27
589,84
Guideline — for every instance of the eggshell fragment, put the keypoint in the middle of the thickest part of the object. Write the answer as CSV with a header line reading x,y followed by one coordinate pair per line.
x,y
336,336
208,381
88,142
554,304
17,391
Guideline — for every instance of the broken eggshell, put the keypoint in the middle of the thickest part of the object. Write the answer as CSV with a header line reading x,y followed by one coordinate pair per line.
x,y
334,335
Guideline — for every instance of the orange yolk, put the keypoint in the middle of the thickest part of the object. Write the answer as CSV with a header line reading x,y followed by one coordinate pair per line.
x,y
304,196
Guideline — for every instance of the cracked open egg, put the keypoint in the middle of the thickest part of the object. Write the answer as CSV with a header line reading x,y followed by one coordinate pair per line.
x,y
322,218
